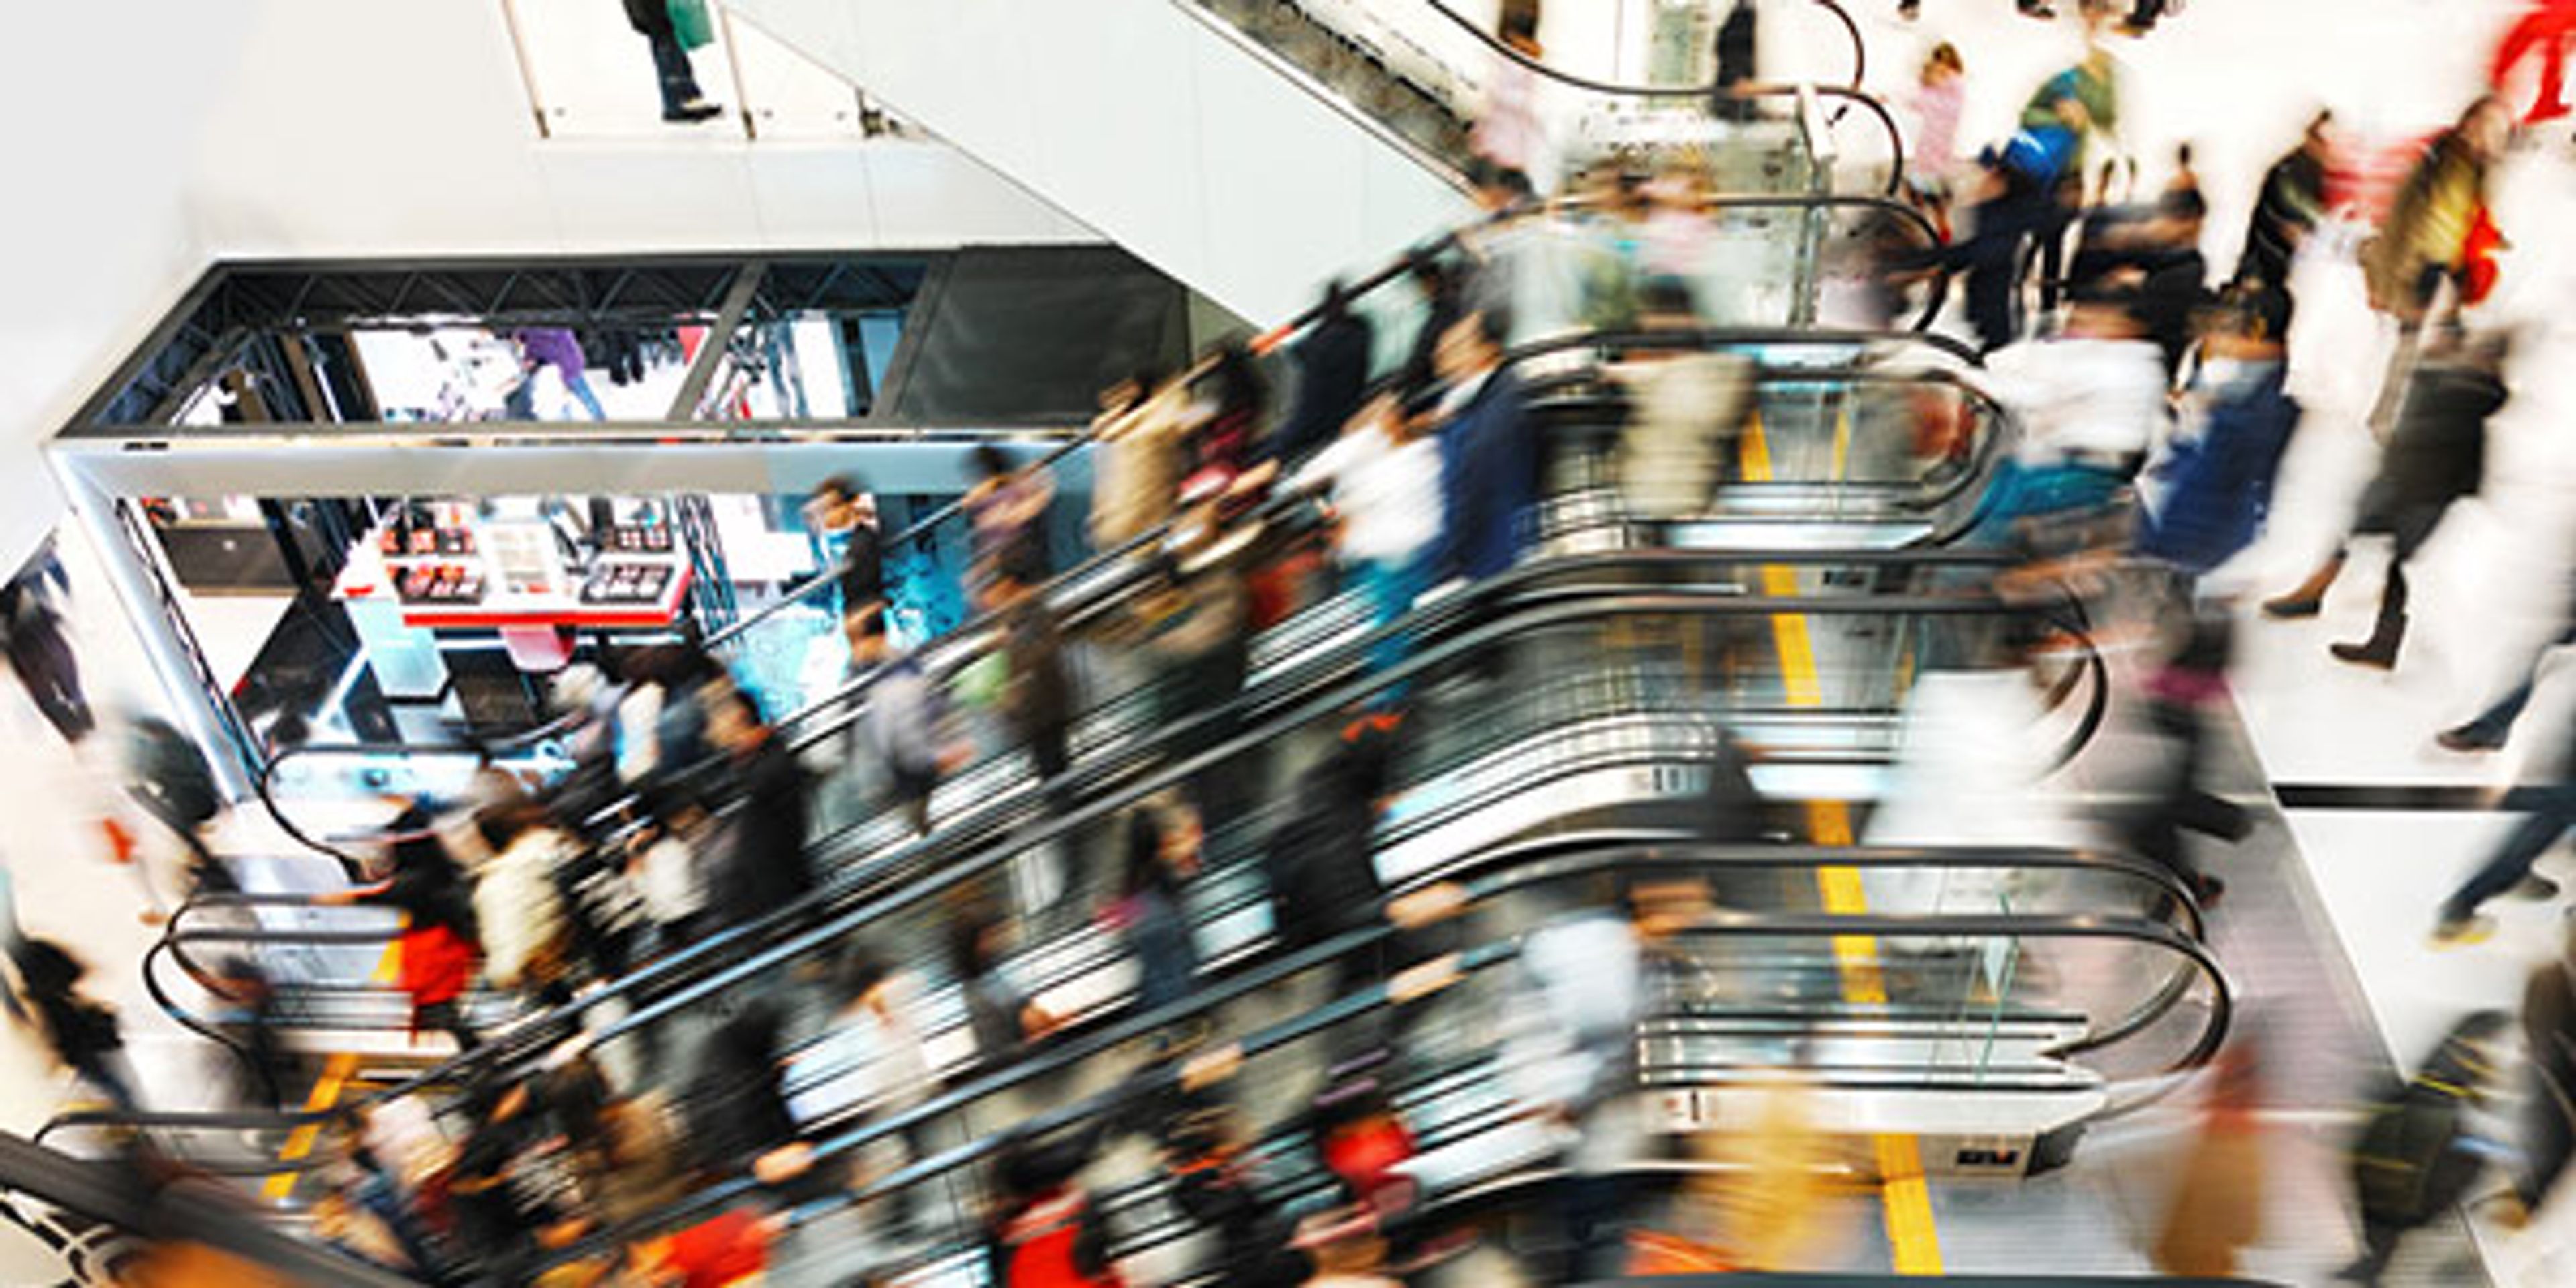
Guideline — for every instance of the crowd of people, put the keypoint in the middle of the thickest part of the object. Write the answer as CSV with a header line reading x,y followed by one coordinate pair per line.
x,y
2154,415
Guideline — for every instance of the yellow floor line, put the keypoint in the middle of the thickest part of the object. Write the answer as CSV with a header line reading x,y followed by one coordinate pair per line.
x,y
1905,1201
327,1090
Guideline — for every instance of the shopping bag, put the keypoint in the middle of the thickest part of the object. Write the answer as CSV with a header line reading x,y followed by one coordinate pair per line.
x,y
691,22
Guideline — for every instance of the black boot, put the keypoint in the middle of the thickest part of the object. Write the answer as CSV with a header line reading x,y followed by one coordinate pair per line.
x,y
2380,650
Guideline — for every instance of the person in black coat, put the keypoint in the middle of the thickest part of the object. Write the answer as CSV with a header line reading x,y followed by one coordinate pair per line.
x,y
1332,364
681,101
2436,455
766,867
2292,201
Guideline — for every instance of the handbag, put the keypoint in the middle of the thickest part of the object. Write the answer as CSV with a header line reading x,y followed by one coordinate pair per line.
x,y
691,22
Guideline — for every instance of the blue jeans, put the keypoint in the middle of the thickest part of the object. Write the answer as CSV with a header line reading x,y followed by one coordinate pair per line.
x,y
1391,588
578,385
2496,722
671,65
2553,812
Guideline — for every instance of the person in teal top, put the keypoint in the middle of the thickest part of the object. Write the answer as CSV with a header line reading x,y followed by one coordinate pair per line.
x,y
2083,100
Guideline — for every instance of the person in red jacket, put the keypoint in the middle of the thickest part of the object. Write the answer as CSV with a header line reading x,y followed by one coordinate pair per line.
x,y
1045,1233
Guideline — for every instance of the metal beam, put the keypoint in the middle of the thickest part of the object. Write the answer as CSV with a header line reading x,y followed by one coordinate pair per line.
x,y
719,338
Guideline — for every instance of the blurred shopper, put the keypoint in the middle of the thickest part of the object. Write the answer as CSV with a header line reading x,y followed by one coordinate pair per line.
x,y
681,101
738,1115
844,511
2076,106
1570,1051
1386,498
517,904
37,637
2090,401
2418,1154
2217,1210
1216,1182
556,347
2211,483
2289,208
1150,915
441,939
249,1021
2007,207
1007,505
873,1057
2493,726
2435,456
168,776
81,1031
1686,407
624,1150
2549,1043
1197,619
1444,296
1738,62
766,867
2550,806
1488,450
1003,1020
1318,864
1346,1249
2425,242
2162,794
496,1199
1137,465
1044,1231
903,731
1332,364
1932,153
1222,442
1037,696
1509,133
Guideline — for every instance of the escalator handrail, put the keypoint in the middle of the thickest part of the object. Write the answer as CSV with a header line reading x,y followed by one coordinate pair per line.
x,y
1821,926
1851,92
1933,299
986,622
1332,696
1489,872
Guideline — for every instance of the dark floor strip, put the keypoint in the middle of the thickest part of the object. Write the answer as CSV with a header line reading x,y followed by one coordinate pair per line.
x,y
2402,797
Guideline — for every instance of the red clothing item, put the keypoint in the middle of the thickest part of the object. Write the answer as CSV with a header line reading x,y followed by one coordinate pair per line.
x,y
720,1250
1042,1246
435,965
2548,32
1366,1154
2478,268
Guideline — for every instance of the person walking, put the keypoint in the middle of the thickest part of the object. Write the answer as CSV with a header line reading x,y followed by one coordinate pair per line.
x,y
556,347
682,103
37,639
844,510
767,867
2424,242
1488,451
2209,488
2490,728
1332,363
2417,1154
441,943
1386,495
2436,456
2291,205
2550,811
1686,408
81,1031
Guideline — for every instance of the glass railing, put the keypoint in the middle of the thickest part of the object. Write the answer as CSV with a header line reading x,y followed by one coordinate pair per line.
x,y
1680,666
1421,73
589,75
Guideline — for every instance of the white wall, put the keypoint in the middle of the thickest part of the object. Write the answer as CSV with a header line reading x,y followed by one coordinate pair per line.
x,y
155,136
1154,129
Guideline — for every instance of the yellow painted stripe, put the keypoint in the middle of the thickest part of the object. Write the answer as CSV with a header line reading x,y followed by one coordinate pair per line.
x,y
1905,1201
1842,439
327,1090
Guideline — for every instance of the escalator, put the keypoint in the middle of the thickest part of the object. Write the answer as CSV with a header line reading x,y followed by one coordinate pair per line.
x,y
1624,748
1995,1029
1327,132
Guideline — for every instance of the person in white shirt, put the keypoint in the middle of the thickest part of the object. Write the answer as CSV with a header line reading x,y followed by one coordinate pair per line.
x,y
2091,404
1386,492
